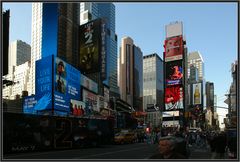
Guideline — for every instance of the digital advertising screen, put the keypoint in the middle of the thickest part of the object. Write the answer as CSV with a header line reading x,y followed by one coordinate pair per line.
x,y
91,100
77,108
37,104
89,84
44,82
174,72
170,113
90,46
173,48
66,83
174,98
197,94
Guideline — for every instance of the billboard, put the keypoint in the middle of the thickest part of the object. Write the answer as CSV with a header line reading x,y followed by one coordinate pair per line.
x,y
91,100
93,47
57,83
197,94
66,83
89,84
174,98
170,113
173,49
77,108
44,82
174,72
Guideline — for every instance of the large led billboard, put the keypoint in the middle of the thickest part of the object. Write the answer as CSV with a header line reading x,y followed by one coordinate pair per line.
x,y
44,83
173,48
66,83
174,98
93,47
197,94
57,83
89,84
174,72
90,99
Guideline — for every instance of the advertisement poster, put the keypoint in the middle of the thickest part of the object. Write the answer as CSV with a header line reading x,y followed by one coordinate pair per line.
x,y
174,98
36,104
91,100
89,84
173,49
170,113
67,85
197,95
90,46
44,83
77,108
174,72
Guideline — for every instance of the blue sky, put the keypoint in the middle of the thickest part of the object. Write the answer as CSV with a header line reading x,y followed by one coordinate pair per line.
x,y
210,28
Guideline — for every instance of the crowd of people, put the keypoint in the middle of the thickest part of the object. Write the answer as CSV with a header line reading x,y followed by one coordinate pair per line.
x,y
176,144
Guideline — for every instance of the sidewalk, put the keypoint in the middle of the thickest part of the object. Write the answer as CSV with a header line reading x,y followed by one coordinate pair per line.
x,y
200,153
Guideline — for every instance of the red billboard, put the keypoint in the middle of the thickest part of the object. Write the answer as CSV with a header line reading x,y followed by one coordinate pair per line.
x,y
174,98
173,49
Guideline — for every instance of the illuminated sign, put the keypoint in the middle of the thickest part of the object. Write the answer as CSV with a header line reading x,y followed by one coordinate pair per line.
x,y
174,72
173,98
91,100
89,84
56,84
67,85
197,95
77,108
173,49
170,113
44,83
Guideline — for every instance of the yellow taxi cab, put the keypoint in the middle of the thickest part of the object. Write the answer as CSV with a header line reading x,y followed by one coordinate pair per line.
x,y
124,137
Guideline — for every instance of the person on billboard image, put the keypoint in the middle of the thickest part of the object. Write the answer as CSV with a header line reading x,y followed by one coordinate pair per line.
x,y
75,111
177,73
82,110
61,69
173,98
88,59
60,87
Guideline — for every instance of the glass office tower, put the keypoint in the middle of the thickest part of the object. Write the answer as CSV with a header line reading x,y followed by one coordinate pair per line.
x,y
54,32
90,11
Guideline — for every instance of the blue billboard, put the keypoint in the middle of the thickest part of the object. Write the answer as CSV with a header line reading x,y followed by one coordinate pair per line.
x,y
56,83
66,85
43,83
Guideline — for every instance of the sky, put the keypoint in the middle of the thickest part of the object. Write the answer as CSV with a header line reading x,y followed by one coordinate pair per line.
x,y
210,28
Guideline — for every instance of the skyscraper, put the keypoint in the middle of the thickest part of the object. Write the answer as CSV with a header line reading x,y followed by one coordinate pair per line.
x,y
131,73
195,58
19,53
153,86
91,11
54,32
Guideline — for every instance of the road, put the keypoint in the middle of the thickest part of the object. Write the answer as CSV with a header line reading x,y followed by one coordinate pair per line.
x,y
126,151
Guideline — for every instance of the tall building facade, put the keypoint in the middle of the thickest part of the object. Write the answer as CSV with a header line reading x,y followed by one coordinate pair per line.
x,y
195,58
91,11
175,69
19,53
153,87
131,73
54,32
20,76
5,44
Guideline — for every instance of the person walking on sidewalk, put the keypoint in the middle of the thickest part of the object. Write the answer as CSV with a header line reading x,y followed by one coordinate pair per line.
x,y
221,143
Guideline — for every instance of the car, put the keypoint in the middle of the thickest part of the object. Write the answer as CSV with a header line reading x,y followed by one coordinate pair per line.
x,y
124,137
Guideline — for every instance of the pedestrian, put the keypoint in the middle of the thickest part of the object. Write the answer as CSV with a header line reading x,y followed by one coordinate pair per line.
x,y
221,143
166,149
212,143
